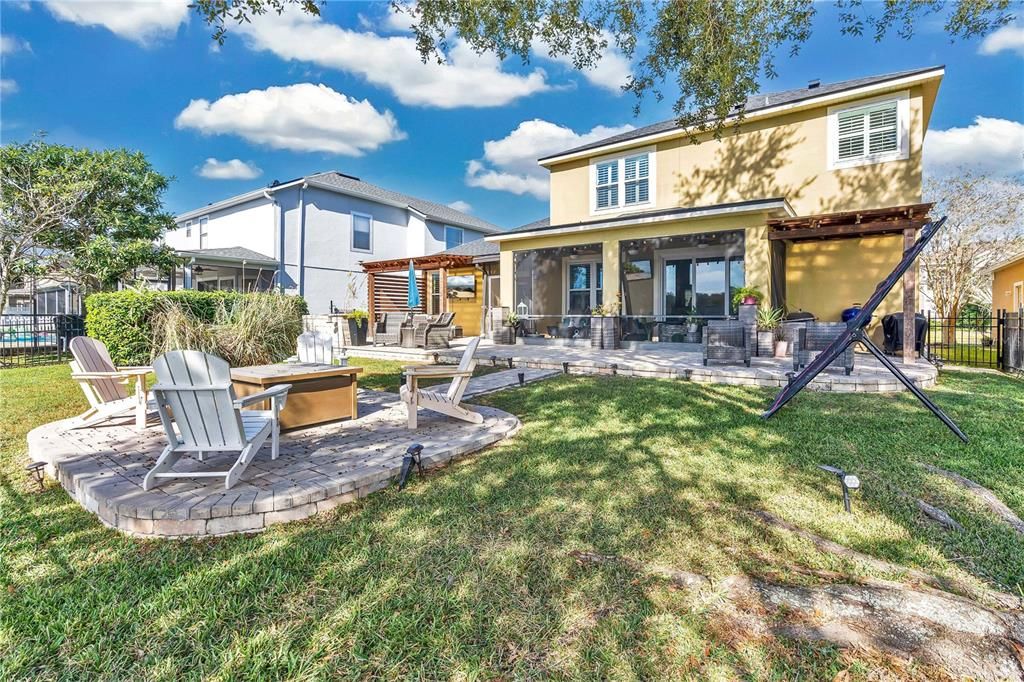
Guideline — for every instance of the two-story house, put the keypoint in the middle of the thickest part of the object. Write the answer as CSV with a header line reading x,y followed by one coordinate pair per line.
x,y
810,199
309,235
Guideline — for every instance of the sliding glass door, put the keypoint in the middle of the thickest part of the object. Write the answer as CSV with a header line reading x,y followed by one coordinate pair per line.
x,y
700,286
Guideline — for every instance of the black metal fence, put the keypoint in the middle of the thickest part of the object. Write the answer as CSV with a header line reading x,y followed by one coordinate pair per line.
x,y
37,339
996,341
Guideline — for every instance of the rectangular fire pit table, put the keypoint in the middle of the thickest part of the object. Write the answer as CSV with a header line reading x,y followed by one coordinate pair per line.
x,y
320,393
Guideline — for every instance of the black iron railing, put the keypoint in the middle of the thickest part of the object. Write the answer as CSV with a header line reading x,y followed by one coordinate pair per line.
x,y
37,339
975,341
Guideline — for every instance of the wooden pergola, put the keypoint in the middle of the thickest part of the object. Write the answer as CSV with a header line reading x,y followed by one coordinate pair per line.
x,y
381,296
903,220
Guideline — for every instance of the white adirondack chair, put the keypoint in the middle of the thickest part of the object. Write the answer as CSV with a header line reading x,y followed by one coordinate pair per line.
x,y
438,398
195,388
105,385
316,346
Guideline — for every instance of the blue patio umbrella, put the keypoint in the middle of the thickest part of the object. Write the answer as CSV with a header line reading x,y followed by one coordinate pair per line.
x,y
414,292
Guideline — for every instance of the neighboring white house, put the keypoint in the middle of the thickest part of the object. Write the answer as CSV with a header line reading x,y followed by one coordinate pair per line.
x,y
309,236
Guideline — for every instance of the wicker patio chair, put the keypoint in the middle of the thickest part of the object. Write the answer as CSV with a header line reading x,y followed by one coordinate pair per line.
x,y
435,334
815,338
389,330
726,340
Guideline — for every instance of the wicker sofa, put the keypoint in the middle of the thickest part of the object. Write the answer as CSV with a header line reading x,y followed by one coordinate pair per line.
x,y
816,337
726,340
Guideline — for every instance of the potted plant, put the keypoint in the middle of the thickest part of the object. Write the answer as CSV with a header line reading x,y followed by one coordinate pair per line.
x,y
769,321
747,296
358,321
605,326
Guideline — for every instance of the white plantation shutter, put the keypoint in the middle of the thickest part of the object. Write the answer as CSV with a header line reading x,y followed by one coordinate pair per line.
x,y
867,131
608,184
636,175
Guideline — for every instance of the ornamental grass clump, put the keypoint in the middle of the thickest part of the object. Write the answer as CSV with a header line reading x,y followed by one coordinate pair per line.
x,y
254,329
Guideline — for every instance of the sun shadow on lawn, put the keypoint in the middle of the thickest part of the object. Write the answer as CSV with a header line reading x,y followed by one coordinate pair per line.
x,y
469,570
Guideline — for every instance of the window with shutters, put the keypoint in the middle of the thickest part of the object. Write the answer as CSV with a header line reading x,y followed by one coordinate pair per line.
x,y
870,132
622,182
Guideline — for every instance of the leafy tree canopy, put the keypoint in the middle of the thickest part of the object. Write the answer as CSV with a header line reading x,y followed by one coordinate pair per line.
x,y
713,50
94,215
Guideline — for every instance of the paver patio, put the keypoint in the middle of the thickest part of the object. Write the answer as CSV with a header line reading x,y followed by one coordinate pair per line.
x,y
667,361
319,468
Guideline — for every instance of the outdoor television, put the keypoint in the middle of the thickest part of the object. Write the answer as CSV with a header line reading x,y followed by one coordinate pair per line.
x,y
461,286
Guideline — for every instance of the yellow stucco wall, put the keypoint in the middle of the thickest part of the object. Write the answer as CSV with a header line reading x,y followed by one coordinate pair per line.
x,y
756,258
468,310
1003,281
826,277
784,156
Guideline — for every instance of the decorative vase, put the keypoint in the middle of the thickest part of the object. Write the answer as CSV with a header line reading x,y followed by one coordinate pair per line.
x,y
765,344
749,300
781,349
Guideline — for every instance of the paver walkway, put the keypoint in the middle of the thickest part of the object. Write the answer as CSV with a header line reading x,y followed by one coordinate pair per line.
x,y
319,468
505,379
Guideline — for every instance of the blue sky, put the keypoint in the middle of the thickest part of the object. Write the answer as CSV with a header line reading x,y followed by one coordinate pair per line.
x,y
295,95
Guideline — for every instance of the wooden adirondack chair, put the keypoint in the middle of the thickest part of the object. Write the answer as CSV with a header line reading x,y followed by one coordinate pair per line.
x,y
195,388
315,346
105,385
437,398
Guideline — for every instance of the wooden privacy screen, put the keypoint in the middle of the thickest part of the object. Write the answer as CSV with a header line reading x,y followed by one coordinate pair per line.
x,y
391,292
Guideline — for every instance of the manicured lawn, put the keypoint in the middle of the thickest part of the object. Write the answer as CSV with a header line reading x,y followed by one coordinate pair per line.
x,y
467,573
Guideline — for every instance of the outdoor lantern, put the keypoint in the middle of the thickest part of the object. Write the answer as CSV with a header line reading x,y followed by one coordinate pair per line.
x,y
413,456
522,309
847,481
37,469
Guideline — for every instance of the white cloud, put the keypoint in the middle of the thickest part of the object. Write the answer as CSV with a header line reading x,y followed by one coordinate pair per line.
x,y
142,22
8,86
610,73
460,205
1009,37
302,117
392,62
992,145
510,164
234,169
10,44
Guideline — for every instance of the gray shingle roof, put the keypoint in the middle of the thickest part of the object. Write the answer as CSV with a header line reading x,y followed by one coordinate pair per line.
x,y
431,209
238,253
478,248
754,103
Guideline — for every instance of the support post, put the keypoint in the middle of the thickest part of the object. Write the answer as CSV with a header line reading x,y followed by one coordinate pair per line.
x,y
371,323
909,301
442,280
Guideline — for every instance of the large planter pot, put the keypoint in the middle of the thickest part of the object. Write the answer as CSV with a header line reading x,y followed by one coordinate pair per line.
x,y
605,332
781,349
357,331
765,344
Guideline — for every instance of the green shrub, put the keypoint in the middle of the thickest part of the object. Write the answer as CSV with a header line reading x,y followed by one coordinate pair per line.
x,y
123,319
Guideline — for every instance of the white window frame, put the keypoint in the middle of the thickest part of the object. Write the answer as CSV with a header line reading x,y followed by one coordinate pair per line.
x,y
620,158
352,241
593,262
902,151
204,227
462,236
1017,296
188,228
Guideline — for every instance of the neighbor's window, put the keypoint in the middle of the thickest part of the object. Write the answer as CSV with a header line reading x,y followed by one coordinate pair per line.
x,y
623,182
204,222
453,236
362,227
188,228
869,133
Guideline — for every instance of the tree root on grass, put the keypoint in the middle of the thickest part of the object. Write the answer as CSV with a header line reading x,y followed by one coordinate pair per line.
x,y
983,495
957,635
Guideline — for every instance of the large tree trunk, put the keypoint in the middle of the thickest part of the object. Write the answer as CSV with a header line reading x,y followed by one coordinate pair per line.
x,y
949,325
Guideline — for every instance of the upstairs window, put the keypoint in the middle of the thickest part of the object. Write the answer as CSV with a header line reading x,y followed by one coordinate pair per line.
x,y
188,228
362,232
868,133
453,236
623,182
204,222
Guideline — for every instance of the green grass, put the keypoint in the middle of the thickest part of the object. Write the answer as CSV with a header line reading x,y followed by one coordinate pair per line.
x,y
467,573
963,354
